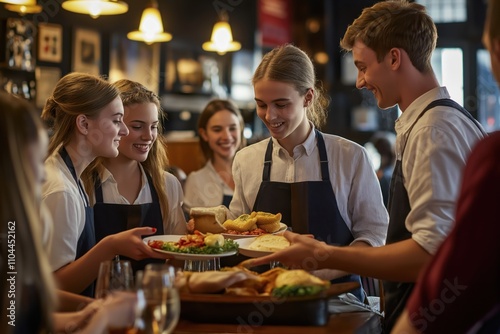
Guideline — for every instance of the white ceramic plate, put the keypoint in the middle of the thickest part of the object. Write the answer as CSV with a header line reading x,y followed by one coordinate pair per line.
x,y
282,230
184,256
244,243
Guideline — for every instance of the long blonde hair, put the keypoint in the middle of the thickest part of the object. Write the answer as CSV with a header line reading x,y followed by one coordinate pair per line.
x,y
20,224
156,163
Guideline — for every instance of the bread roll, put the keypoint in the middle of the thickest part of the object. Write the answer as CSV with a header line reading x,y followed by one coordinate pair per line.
x,y
298,277
210,219
269,243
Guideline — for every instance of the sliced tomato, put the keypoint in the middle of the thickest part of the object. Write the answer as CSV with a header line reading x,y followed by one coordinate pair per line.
x,y
158,244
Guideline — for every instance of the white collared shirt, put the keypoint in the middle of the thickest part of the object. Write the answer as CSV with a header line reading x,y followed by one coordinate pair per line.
x,y
433,159
175,223
62,198
352,176
205,188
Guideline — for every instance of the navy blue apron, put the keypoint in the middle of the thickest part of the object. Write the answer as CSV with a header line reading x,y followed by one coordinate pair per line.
x,y
307,207
397,293
112,218
87,239
226,200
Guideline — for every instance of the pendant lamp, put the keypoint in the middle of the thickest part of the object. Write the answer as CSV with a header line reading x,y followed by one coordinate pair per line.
x,y
151,26
222,38
23,6
95,8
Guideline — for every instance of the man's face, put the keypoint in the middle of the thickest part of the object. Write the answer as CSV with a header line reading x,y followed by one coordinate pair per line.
x,y
374,75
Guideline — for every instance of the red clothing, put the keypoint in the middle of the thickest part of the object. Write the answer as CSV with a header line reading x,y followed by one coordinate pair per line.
x,y
461,284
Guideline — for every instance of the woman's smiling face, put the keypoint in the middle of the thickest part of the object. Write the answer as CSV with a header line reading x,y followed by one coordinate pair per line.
x,y
142,121
280,107
223,134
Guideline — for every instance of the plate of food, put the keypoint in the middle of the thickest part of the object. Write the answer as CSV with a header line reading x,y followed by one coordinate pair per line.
x,y
262,245
233,234
214,220
192,246
235,295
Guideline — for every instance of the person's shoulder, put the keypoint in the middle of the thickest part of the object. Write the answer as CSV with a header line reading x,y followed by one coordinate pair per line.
x,y
57,178
171,180
250,150
341,143
199,174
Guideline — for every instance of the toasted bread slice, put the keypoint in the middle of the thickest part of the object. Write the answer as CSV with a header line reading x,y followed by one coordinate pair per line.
x,y
269,243
241,224
264,218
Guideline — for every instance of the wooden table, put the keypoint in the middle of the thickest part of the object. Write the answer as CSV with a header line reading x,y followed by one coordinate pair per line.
x,y
340,323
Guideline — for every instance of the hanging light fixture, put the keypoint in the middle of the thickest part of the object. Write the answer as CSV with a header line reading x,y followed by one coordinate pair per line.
x,y
23,6
95,8
151,26
222,38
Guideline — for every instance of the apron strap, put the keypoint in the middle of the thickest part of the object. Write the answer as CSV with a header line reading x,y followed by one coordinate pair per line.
x,y
67,160
99,198
446,103
266,173
325,176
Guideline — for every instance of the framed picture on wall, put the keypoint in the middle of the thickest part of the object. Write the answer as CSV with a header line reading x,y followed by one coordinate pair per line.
x,y
50,42
46,80
20,44
86,51
134,60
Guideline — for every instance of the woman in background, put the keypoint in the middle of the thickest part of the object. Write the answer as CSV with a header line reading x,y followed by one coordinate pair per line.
x,y
28,296
220,127
85,113
134,189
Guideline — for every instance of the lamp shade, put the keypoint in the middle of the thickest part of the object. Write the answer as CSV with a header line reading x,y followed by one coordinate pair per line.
x,y
222,39
23,7
19,2
95,8
151,27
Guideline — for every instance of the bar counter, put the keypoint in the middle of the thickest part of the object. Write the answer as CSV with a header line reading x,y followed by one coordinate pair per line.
x,y
339,323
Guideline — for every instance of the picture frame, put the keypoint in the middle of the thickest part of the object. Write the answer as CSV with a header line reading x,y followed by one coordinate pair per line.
x,y
46,80
20,44
131,59
50,42
86,51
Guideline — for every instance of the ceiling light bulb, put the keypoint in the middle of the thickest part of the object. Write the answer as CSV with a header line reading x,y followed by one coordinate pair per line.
x,y
96,8
151,27
222,39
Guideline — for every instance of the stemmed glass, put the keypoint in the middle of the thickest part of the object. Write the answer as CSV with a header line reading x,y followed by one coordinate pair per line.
x,y
158,302
113,275
202,265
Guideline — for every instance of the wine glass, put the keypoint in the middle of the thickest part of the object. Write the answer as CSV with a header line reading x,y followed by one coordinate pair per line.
x,y
202,265
158,302
113,275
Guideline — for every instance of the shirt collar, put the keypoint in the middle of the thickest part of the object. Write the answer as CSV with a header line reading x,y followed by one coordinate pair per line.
x,y
107,176
308,145
411,114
